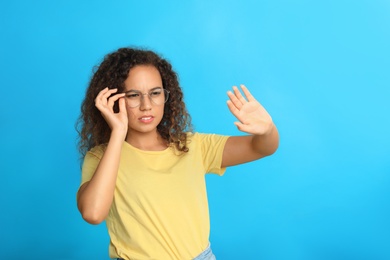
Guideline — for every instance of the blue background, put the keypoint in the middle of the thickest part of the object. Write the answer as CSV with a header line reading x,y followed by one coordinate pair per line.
x,y
321,69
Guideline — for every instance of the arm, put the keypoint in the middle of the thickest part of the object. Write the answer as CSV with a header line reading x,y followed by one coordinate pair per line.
x,y
254,120
94,197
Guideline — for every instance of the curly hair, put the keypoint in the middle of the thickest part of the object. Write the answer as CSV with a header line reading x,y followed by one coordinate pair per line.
x,y
93,130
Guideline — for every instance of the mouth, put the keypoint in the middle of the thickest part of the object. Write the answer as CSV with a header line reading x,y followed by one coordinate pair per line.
x,y
146,119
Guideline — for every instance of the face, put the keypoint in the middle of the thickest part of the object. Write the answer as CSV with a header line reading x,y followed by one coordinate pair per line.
x,y
144,84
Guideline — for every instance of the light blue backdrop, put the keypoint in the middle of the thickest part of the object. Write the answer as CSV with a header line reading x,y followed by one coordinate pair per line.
x,y
321,68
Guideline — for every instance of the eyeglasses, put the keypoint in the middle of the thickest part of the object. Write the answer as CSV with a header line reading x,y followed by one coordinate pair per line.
x,y
157,96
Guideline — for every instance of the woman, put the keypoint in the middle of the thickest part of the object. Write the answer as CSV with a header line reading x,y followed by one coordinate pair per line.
x,y
144,169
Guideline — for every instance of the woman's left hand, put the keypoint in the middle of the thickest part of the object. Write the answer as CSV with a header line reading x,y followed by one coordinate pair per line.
x,y
253,118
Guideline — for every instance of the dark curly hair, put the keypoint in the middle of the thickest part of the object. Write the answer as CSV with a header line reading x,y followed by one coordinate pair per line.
x,y
112,72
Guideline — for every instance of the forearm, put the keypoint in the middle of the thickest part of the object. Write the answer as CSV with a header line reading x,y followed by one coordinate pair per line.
x,y
242,149
95,197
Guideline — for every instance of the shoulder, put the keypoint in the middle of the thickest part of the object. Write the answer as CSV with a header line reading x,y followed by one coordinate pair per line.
x,y
198,135
207,138
97,151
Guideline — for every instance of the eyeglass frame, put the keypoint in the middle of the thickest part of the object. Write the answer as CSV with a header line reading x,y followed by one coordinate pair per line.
x,y
163,90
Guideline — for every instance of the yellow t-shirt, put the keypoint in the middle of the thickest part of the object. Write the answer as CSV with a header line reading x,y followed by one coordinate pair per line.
x,y
160,209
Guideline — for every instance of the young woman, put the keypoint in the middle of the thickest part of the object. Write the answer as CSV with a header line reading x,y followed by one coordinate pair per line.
x,y
144,170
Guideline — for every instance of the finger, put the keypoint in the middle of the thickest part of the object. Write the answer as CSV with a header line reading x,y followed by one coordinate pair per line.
x,y
242,127
248,95
111,100
239,125
239,95
122,105
234,110
104,93
237,103
99,95
108,93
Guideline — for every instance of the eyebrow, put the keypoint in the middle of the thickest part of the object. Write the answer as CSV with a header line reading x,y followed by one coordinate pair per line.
x,y
136,90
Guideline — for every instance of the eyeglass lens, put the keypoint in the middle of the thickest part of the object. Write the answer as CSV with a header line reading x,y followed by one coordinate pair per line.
x,y
158,96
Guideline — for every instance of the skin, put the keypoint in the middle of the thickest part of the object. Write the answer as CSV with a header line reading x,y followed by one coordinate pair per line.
x,y
263,138
130,125
143,133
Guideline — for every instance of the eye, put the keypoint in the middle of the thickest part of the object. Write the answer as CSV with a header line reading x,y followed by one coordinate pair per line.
x,y
155,93
132,95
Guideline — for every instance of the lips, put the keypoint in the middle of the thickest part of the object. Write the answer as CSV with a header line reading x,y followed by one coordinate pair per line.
x,y
146,119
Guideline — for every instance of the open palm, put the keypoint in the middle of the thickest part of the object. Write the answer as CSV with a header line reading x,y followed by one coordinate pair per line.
x,y
252,116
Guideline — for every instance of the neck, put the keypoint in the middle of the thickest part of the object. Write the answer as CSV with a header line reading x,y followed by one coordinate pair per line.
x,y
147,141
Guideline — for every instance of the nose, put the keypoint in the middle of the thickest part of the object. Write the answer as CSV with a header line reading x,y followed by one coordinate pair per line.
x,y
145,102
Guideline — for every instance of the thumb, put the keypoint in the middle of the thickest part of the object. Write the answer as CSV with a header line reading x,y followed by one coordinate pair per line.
x,y
244,128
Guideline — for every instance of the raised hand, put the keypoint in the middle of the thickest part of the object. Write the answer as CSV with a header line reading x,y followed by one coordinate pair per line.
x,y
105,103
253,118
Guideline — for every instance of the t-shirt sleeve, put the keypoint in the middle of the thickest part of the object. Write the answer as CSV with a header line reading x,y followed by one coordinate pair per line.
x,y
212,147
91,162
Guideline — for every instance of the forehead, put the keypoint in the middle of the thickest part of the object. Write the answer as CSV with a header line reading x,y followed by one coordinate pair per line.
x,y
143,78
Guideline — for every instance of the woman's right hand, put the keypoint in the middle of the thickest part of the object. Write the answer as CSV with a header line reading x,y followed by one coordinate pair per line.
x,y
105,103
96,195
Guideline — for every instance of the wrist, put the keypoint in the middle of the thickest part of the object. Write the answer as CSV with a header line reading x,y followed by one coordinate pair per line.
x,y
118,134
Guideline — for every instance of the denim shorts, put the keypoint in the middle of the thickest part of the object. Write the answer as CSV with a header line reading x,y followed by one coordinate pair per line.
x,y
207,254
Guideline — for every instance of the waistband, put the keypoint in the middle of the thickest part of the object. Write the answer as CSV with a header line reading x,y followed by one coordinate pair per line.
x,y
207,254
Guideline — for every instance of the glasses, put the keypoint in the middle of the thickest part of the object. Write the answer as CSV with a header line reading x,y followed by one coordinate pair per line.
x,y
157,96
